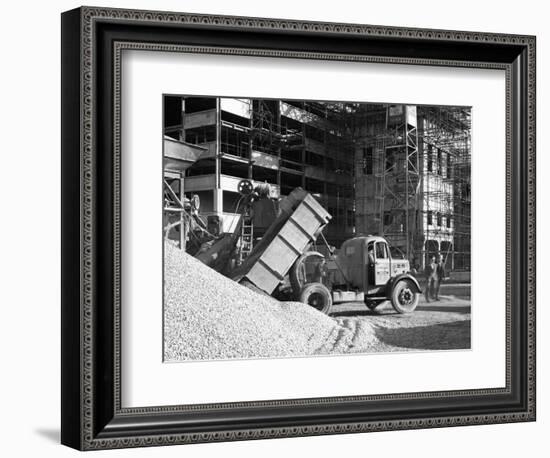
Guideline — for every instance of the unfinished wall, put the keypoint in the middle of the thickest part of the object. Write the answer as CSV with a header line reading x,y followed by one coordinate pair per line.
x,y
284,143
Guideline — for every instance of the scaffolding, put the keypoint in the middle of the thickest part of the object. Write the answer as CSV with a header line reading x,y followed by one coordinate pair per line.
x,y
447,133
413,181
401,171
285,143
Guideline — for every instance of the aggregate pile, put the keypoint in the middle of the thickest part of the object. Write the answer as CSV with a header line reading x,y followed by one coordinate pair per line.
x,y
208,316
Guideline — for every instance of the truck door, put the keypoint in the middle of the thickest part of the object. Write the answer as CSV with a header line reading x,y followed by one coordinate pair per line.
x,y
382,264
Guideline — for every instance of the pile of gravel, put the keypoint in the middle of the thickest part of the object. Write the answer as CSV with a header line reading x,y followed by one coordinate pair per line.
x,y
208,316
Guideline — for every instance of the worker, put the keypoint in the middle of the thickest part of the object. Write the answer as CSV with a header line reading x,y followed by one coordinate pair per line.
x,y
264,210
320,271
440,275
431,278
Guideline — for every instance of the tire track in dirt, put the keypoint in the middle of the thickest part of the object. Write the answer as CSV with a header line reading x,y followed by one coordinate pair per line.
x,y
350,335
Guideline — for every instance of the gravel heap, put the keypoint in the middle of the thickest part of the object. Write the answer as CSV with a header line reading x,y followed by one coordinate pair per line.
x,y
208,316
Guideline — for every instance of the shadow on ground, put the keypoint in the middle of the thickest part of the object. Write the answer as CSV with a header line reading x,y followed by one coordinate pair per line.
x,y
460,309
444,308
354,313
442,336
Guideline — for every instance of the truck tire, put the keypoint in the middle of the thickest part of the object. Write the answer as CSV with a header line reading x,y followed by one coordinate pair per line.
x,y
317,296
404,299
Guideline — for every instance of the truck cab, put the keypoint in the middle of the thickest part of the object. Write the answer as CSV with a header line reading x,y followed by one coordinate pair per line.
x,y
368,266
382,264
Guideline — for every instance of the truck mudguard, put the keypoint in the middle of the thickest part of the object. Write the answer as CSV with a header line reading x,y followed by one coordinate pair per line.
x,y
407,276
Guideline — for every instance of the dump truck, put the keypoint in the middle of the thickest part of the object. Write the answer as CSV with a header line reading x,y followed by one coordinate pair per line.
x,y
284,260
363,269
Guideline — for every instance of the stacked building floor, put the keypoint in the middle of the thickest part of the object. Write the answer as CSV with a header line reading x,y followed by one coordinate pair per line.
x,y
400,171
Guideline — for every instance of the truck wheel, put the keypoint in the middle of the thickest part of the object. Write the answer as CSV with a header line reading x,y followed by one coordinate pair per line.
x,y
318,296
404,299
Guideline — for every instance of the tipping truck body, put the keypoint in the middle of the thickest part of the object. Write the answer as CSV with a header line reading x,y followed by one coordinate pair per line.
x,y
300,221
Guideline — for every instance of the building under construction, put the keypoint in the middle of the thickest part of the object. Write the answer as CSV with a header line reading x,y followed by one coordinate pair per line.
x,y
287,144
395,170
413,180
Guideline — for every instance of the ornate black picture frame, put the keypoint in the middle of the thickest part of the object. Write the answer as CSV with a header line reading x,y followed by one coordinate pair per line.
x,y
92,42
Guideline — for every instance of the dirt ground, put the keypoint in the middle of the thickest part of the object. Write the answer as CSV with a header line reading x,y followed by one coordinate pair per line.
x,y
437,325
232,321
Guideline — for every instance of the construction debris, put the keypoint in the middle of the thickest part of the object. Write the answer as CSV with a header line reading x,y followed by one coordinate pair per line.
x,y
208,316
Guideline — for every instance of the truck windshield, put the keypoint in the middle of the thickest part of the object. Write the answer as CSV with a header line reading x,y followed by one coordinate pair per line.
x,y
396,253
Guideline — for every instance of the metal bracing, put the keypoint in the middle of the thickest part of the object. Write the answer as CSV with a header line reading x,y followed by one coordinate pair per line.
x,y
418,193
448,130
398,178
414,190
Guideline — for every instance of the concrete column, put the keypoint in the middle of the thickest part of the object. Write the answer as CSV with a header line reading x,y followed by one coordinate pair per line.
x,y
218,195
218,201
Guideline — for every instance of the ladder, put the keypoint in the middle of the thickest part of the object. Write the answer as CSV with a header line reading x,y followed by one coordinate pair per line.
x,y
247,234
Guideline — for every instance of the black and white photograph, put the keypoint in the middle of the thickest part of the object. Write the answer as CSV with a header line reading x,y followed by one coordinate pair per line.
x,y
274,229
298,228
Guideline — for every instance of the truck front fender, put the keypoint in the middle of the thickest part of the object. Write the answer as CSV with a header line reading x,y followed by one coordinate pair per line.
x,y
404,276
